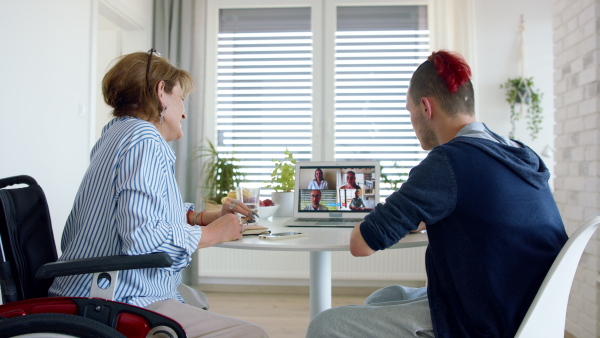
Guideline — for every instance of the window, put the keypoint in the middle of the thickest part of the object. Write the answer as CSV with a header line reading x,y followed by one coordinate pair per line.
x,y
327,81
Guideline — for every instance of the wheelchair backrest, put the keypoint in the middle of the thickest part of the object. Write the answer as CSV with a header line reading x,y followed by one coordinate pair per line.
x,y
27,241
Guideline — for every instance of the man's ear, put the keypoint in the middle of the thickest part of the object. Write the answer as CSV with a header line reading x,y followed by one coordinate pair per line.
x,y
426,103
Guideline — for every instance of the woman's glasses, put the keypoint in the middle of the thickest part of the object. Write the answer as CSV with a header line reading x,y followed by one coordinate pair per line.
x,y
150,53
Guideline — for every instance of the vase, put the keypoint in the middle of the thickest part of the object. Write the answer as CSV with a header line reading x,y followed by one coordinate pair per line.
x,y
285,200
523,96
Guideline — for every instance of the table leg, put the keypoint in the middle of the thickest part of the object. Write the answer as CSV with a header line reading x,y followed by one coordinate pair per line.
x,y
320,282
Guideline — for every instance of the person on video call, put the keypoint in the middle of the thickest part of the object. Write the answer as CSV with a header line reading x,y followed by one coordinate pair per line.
x,y
357,202
315,201
494,229
318,182
129,203
350,181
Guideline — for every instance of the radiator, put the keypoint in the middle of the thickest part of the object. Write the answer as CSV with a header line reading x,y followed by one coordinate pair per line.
x,y
387,265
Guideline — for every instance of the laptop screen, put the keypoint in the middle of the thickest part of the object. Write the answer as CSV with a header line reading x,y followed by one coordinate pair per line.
x,y
336,189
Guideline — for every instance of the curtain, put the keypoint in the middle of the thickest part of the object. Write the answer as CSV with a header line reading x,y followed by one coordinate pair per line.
x,y
179,35
452,26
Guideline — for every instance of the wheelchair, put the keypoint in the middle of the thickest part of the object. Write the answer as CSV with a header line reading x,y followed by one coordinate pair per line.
x,y
28,266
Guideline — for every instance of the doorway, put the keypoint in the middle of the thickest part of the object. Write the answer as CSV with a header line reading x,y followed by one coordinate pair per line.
x,y
118,33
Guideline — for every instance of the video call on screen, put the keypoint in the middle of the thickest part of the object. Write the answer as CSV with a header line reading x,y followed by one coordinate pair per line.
x,y
339,189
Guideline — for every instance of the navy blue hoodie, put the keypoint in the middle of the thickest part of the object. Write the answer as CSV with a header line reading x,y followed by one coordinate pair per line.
x,y
494,230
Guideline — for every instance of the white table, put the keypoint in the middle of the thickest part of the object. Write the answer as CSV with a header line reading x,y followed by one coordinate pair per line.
x,y
320,242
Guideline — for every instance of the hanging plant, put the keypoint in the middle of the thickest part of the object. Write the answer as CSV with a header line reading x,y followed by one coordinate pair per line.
x,y
521,91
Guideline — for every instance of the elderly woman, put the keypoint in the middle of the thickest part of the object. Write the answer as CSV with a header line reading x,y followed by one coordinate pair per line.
x,y
129,203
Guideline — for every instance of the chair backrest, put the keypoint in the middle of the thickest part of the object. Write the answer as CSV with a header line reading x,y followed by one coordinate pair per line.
x,y
26,242
547,314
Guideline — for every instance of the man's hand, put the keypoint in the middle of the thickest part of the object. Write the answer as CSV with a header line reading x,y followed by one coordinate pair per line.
x,y
358,246
422,226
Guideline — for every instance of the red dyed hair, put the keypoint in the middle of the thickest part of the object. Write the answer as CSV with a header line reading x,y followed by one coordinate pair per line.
x,y
446,76
451,67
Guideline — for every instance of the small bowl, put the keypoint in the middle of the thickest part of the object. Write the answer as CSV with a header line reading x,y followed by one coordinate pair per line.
x,y
266,212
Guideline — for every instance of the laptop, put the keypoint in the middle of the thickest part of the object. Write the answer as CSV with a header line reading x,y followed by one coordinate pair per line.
x,y
347,192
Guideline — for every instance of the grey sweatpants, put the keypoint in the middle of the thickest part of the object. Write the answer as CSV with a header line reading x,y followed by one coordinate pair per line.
x,y
197,321
394,311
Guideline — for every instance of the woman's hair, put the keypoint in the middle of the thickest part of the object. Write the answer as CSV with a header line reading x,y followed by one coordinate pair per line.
x,y
445,76
127,91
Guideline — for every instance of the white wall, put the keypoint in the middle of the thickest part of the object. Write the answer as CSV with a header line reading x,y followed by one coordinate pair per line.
x,y
497,59
46,67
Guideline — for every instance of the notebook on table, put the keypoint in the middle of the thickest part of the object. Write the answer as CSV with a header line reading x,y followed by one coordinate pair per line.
x,y
340,202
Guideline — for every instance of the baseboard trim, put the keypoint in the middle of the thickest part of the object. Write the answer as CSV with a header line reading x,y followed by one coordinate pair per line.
x,y
347,289
303,282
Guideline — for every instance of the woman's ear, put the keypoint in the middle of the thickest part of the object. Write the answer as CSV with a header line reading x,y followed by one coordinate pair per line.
x,y
160,91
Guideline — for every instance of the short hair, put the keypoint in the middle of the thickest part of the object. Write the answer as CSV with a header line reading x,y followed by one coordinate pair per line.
x,y
446,76
126,90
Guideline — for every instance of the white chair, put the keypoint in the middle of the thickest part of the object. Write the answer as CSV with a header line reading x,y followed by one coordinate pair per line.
x,y
547,314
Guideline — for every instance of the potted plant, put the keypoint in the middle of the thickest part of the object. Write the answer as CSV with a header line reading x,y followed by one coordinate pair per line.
x,y
221,173
521,91
282,181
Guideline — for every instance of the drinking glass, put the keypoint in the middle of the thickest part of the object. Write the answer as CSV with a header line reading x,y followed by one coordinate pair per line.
x,y
250,196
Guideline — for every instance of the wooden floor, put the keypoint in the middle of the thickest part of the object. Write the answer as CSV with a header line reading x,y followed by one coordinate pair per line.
x,y
282,314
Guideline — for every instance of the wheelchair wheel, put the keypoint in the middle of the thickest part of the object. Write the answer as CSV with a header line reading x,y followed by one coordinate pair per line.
x,y
55,325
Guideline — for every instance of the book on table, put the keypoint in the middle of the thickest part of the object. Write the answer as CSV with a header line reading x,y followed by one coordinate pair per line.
x,y
254,229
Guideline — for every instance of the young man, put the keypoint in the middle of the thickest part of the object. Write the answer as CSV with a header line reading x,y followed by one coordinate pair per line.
x,y
357,203
493,226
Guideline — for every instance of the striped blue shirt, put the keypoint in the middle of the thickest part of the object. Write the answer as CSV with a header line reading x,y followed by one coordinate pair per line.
x,y
129,204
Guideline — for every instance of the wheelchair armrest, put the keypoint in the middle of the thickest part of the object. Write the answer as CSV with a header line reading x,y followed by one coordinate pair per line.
x,y
104,264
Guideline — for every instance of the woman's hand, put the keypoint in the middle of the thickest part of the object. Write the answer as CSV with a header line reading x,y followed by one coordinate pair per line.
x,y
233,206
224,229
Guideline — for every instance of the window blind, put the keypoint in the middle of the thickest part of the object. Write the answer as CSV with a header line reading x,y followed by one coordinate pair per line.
x,y
265,86
376,51
264,96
